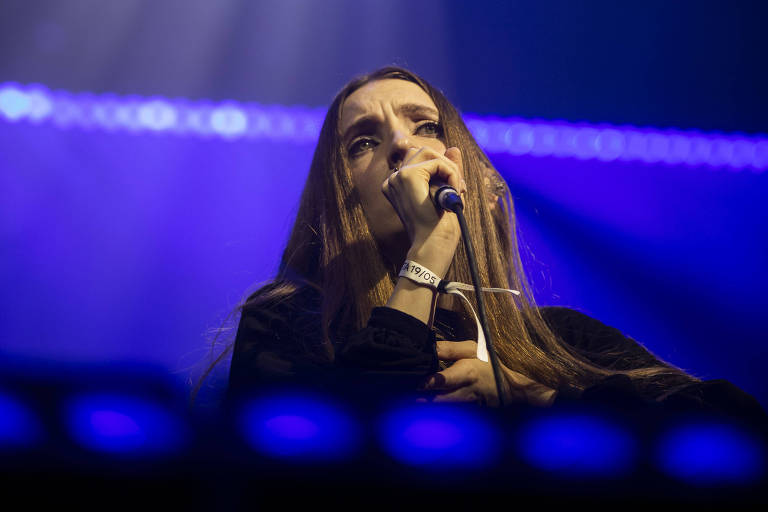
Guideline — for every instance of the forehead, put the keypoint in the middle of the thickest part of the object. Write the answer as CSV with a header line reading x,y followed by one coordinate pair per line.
x,y
390,91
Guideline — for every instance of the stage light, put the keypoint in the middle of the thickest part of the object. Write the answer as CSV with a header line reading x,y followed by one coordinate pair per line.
x,y
14,104
544,140
743,154
710,453
19,427
577,445
299,427
39,106
566,142
195,119
301,125
311,122
760,160
157,115
479,129
229,121
65,110
610,145
585,143
519,138
439,437
657,147
119,424
701,147
679,149
722,151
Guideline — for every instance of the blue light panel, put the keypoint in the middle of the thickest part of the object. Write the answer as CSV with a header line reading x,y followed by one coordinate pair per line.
x,y
300,427
124,425
577,445
439,437
707,453
19,427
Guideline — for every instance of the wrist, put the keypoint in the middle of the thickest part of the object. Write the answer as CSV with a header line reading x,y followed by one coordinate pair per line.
x,y
433,258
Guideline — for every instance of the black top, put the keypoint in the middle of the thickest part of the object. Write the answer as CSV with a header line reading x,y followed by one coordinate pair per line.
x,y
281,343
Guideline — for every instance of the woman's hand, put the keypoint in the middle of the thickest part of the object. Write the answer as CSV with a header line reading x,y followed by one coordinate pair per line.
x,y
471,380
433,234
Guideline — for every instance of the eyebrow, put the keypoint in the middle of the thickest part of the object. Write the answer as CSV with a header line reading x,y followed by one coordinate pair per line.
x,y
370,120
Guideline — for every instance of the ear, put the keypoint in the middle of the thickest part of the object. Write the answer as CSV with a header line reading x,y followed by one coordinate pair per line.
x,y
495,186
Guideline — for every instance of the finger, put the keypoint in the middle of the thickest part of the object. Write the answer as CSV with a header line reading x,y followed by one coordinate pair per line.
x,y
454,155
463,395
455,350
437,165
411,155
462,373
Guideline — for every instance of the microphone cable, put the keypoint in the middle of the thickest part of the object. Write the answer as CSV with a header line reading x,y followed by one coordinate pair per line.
x,y
447,198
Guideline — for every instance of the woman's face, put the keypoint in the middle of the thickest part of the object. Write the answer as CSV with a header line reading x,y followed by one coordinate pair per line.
x,y
380,122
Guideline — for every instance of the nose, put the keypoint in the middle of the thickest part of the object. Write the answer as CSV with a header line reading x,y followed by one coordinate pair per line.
x,y
398,148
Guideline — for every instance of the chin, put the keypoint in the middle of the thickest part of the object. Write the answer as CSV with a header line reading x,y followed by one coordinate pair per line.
x,y
394,245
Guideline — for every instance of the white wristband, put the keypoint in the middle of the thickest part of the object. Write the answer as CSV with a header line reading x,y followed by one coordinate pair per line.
x,y
419,274
422,275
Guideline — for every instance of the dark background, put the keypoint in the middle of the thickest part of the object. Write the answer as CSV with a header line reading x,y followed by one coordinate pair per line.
x,y
687,64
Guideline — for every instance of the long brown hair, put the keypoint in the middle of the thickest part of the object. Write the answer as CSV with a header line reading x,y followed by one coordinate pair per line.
x,y
332,250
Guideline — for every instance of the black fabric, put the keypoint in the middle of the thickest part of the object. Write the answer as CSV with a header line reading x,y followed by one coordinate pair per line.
x,y
281,343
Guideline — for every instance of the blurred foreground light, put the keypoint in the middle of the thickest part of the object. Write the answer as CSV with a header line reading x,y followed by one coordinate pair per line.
x,y
299,426
19,427
439,437
711,453
577,444
124,425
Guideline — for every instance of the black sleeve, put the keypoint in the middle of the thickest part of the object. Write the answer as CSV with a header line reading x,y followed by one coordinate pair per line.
x,y
282,344
609,348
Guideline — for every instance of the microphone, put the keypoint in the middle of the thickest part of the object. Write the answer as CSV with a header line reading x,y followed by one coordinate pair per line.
x,y
445,197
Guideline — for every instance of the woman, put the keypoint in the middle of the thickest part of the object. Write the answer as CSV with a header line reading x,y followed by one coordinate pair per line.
x,y
337,312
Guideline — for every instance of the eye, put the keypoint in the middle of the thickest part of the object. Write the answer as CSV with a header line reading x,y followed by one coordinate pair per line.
x,y
430,129
361,145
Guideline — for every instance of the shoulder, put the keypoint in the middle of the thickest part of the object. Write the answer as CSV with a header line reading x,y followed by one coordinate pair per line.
x,y
278,311
277,300
602,344
282,295
579,329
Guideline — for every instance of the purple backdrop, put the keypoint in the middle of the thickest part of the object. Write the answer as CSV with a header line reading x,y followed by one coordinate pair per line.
x,y
130,247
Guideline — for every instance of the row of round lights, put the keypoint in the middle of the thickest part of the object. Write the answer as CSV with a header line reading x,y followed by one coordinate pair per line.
x,y
308,428
612,143
109,112
232,120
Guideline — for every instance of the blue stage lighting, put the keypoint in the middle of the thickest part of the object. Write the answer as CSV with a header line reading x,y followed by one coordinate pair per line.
x,y
301,125
124,425
610,145
439,437
229,121
157,115
709,453
14,103
577,444
19,427
40,105
299,426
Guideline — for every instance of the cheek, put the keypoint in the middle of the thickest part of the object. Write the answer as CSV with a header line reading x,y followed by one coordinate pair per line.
x,y
436,144
367,181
